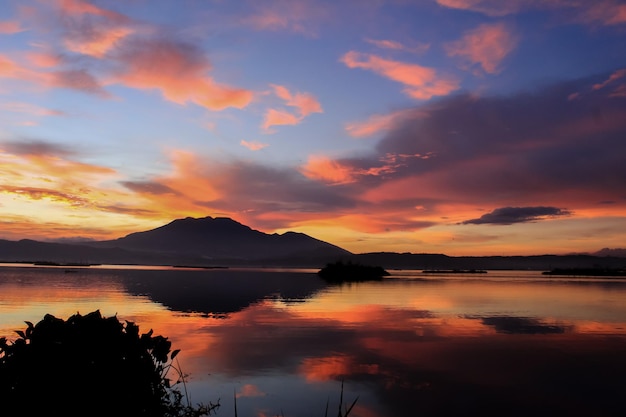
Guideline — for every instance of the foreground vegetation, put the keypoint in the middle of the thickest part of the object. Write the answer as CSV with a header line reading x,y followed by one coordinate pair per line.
x,y
97,366
92,366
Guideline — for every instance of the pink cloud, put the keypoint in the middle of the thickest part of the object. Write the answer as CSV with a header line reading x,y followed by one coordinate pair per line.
x,y
77,80
380,123
603,12
620,91
330,171
420,82
304,104
488,7
179,71
275,117
397,46
621,73
253,146
8,68
27,108
287,15
82,7
92,30
97,42
487,46
44,59
327,170
9,27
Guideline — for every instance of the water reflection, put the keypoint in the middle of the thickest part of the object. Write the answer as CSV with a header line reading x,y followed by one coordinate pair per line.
x,y
522,325
437,347
218,292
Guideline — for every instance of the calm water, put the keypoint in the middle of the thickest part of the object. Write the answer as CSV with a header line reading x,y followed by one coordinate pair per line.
x,y
506,343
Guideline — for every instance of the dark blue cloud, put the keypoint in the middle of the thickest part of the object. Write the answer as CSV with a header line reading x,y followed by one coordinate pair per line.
x,y
510,215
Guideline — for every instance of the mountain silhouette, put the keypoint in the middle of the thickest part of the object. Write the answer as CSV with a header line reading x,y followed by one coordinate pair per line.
x,y
223,241
222,238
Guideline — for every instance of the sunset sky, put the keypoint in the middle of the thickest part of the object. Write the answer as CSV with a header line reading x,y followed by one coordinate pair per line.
x,y
465,127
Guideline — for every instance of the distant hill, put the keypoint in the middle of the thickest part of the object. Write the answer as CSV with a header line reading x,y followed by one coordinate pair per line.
x,y
617,252
440,261
27,250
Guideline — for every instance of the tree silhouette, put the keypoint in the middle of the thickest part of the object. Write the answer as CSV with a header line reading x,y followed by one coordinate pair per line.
x,y
91,365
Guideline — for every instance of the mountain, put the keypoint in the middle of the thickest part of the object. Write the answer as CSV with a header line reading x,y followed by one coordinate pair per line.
x,y
190,241
223,242
616,252
222,238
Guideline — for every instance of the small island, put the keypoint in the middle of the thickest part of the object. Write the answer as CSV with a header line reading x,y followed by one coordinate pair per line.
x,y
351,272
454,271
53,263
588,272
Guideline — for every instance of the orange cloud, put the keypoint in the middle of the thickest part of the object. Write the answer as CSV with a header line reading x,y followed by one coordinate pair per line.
x,y
253,146
420,82
179,71
187,189
92,30
304,104
99,42
42,178
34,193
325,169
44,59
275,117
487,45
331,171
80,80
9,27
8,68
380,123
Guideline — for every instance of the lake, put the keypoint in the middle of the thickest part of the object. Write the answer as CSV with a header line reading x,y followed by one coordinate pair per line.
x,y
507,343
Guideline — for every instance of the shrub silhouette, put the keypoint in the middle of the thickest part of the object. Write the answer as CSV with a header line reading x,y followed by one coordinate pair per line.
x,y
90,366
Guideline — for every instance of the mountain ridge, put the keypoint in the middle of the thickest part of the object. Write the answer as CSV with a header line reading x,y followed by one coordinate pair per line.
x,y
209,241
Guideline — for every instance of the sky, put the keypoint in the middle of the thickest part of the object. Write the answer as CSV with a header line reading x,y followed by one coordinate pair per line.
x,y
464,127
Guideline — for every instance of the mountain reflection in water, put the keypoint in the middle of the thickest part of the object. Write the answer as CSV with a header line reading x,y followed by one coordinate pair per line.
x,y
509,344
